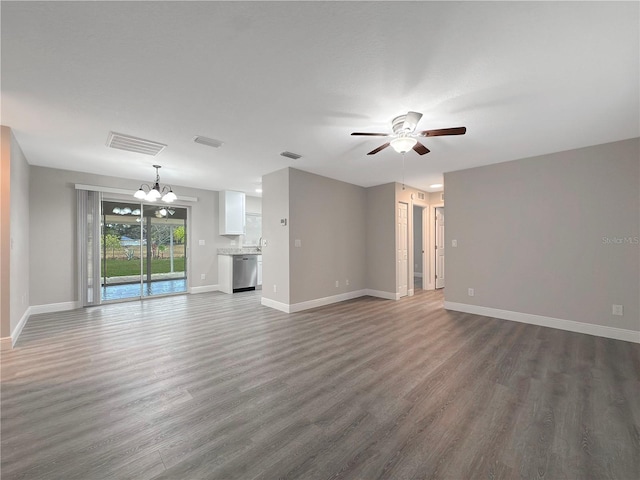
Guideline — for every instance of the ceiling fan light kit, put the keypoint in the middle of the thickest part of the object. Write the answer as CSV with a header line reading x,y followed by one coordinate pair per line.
x,y
403,127
403,144
153,193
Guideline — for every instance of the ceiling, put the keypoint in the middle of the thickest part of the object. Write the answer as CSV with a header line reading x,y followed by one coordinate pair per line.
x,y
525,79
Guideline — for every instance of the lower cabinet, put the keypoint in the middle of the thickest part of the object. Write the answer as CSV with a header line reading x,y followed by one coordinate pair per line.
x,y
225,273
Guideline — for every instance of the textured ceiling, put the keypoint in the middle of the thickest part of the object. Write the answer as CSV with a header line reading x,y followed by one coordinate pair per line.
x,y
263,77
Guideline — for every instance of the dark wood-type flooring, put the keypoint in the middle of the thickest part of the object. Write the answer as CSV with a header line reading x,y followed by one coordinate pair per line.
x,y
216,386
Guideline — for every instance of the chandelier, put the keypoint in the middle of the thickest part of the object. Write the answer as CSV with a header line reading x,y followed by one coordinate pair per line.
x,y
153,193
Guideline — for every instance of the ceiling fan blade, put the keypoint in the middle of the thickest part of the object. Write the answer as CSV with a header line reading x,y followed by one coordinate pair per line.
x,y
411,121
371,134
381,147
444,131
420,148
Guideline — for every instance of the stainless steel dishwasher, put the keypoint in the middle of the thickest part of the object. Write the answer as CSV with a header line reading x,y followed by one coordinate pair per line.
x,y
245,272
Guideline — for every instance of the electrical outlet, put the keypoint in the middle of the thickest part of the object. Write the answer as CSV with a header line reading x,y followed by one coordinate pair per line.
x,y
200,242
454,243
347,282
275,288
297,242
203,276
337,283
617,310
470,292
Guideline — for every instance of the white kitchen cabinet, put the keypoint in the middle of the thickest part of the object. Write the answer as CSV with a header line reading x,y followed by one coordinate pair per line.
x,y
232,212
259,269
225,273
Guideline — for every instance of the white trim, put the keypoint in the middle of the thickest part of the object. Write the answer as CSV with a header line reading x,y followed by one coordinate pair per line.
x,y
18,330
410,292
381,294
54,307
431,246
267,302
204,289
569,325
123,191
321,302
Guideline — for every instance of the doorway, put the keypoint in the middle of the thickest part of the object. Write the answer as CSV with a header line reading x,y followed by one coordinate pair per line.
x,y
403,249
143,250
439,247
419,264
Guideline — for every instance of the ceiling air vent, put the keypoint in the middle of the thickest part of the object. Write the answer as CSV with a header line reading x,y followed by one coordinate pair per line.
x,y
210,142
294,156
134,144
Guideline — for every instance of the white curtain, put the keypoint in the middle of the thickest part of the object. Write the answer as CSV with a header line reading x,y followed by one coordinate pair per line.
x,y
88,210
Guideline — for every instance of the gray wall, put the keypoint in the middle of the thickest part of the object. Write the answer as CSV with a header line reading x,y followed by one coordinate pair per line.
x,y
253,204
53,232
329,218
275,255
381,238
532,235
19,278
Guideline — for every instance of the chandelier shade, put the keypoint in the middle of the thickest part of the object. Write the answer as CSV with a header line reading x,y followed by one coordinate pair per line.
x,y
155,192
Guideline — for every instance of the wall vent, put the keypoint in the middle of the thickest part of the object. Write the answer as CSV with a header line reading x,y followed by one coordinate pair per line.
x,y
210,142
294,156
134,144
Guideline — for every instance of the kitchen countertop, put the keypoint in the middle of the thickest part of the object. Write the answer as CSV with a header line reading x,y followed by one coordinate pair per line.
x,y
239,251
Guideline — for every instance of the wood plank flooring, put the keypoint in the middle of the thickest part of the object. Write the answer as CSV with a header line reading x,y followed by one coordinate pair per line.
x,y
215,386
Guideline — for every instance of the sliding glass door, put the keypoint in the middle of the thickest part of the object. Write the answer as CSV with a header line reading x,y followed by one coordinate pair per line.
x,y
143,250
164,263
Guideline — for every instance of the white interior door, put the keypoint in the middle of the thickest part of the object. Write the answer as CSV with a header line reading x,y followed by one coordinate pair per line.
x,y
440,247
403,249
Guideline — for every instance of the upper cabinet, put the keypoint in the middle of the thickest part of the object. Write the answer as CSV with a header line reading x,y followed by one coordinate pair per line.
x,y
232,213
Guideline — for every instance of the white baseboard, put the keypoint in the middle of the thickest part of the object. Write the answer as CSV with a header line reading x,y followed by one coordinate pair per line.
x,y
283,307
204,289
569,325
381,294
36,309
54,307
18,330
321,302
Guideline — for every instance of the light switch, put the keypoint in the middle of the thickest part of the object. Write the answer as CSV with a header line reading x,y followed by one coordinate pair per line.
x,y
297,242
454,243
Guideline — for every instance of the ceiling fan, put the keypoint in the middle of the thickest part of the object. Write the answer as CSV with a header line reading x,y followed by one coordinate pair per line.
x,y
403,127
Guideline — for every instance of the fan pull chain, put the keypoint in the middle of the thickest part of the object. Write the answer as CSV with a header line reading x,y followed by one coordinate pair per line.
x,y
402,170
